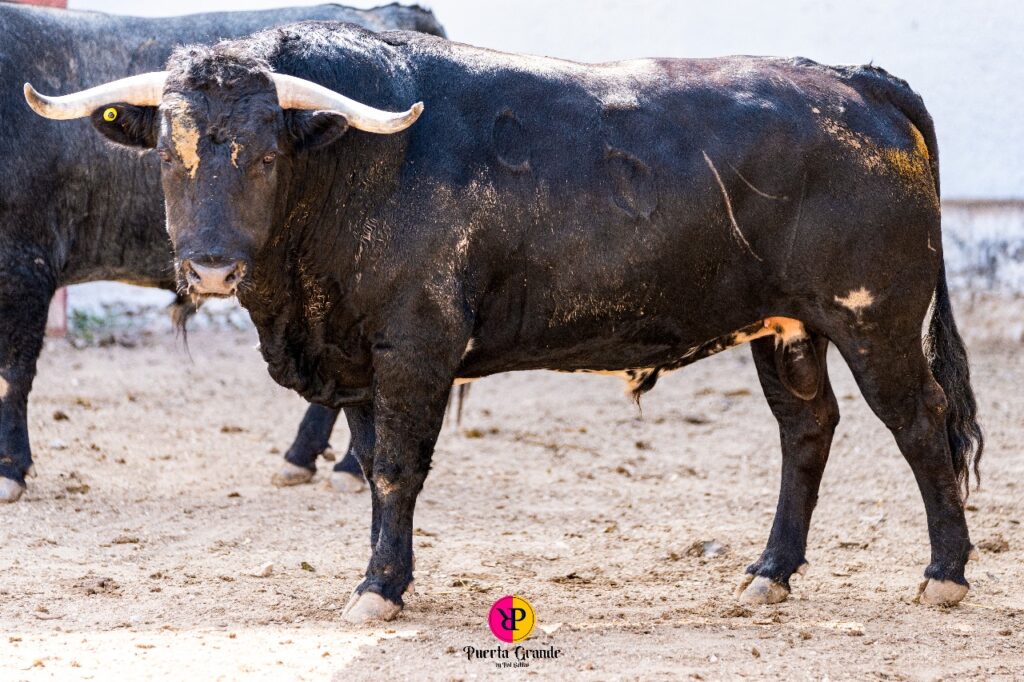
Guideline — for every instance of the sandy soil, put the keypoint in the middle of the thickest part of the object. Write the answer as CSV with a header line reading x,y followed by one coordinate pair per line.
x,y
133,553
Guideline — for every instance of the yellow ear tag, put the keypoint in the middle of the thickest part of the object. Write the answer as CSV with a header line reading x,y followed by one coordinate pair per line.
x,y
110,114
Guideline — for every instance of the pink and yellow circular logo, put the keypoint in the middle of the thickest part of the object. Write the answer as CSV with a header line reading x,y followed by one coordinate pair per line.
x,y
511,618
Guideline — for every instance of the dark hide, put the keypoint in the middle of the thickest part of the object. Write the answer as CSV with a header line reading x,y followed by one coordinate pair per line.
x,y
73,209
544,214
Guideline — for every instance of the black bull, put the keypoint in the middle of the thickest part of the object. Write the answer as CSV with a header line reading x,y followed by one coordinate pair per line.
x,y
543,214
72,211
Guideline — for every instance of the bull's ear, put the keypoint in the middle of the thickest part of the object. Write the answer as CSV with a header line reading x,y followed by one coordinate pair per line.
x,y
128,124
315,129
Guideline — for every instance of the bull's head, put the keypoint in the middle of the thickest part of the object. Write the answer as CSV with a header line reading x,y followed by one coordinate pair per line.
x,y
226,139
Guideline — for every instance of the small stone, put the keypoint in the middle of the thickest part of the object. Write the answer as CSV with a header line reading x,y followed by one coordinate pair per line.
x,y
550,629
852,629
714,548
995,544
60,416
264,571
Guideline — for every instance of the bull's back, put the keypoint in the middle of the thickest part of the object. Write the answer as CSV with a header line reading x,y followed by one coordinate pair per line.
x,y
670,199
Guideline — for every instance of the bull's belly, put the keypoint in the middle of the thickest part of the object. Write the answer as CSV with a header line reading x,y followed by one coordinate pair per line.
x,y
637,366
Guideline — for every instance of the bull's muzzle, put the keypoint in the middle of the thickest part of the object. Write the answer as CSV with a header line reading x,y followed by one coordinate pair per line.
x,y
213,278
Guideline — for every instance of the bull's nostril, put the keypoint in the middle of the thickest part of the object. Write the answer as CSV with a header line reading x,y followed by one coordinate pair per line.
x,y
213,276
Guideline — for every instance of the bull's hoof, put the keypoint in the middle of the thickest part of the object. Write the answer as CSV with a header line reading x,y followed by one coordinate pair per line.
x,y
10,491
940,592
31,473
344,482
291,474
760,590
974,555
369,607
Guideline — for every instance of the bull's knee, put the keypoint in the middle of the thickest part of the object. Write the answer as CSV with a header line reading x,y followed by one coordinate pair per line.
x,y
934,399
920,422
826,414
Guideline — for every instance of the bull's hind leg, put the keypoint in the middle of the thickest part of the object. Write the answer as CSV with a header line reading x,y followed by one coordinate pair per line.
x,y
312,441
896,381
357,460
347,475
805,428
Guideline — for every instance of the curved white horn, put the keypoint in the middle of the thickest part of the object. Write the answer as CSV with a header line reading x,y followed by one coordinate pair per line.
x,y
298,93
146,89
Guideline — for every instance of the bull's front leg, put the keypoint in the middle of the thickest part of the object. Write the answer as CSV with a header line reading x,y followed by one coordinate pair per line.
x,y
408,409
347,475
26,288
15,454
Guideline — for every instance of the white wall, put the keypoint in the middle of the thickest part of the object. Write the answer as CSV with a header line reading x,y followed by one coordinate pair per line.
x,y
966,58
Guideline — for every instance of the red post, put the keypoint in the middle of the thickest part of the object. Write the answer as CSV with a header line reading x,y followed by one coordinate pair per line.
x,y
57,320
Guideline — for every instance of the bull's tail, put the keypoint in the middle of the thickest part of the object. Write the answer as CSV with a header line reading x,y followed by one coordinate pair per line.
x,y
947,358
944,348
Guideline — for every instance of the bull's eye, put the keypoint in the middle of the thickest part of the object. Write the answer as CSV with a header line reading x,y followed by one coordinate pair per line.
x,y
110,115
269,158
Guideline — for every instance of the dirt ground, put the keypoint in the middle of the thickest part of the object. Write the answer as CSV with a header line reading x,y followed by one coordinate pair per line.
x,y
134,551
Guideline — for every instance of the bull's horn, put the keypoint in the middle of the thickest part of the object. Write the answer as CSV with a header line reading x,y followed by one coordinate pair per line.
x,y
144,90
298,93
